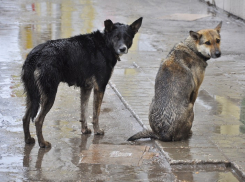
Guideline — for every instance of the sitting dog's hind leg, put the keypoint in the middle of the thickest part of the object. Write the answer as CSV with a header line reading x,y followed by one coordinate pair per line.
x,y
85,94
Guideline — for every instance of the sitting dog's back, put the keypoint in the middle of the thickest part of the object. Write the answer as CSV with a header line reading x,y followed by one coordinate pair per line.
x,y
176,86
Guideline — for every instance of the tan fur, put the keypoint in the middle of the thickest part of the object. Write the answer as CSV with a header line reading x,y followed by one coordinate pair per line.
x,y
177,84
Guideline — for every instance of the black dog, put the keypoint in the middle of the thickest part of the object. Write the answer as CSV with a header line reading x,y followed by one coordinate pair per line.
x,y
86,61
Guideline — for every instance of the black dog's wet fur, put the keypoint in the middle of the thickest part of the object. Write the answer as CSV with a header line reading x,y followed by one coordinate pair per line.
x,y
85,61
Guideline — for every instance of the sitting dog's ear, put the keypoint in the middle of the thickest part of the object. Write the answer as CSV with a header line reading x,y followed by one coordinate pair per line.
x,y
218,27
136,25
108,25
195,35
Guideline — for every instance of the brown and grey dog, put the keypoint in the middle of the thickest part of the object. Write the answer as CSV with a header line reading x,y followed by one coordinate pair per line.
x,y
176,86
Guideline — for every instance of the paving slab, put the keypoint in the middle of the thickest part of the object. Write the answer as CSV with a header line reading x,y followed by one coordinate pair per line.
x,y
116,154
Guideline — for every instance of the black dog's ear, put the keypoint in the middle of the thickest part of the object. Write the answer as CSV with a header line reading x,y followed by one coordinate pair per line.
x,y
218,27
136,25
108,25
195,35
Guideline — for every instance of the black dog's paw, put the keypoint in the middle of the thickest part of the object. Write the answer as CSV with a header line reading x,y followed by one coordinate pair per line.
x,y
99,132
30,141
45,145
86,131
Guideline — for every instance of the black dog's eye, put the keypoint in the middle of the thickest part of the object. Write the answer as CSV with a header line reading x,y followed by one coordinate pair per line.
x,y
217,40
118,37
208,43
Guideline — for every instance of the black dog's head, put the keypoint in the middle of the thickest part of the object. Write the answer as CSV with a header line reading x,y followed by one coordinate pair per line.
x,y
120,36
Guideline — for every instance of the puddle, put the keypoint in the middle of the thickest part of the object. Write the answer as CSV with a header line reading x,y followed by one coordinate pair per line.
x,y
141,43
10,124
207,176
5,88
8,120
201,172
222,106
230,129
10,161
229,108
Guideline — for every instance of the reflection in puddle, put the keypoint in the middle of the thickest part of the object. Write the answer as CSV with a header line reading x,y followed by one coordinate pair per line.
x,y
209,102
230,129
130,71
10,161
141,44
229,108
10,124
222,106
5,88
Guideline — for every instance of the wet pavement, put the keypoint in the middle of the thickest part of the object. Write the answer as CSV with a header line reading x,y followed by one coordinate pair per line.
x,y
215,152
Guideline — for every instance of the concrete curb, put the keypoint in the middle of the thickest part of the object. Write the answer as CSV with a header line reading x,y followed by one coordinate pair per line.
x,y
113,86
190,162
238,170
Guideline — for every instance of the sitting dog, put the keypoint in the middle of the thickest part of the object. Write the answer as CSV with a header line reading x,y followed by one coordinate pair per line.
x,y
176,86
86,61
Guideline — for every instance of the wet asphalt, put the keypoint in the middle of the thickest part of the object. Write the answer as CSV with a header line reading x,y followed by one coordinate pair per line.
x,y
216,150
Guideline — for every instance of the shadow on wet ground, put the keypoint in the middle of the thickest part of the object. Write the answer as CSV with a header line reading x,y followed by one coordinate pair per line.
x,y
218,137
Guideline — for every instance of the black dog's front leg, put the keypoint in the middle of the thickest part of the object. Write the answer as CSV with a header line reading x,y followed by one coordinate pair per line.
x,y
98,97
85,94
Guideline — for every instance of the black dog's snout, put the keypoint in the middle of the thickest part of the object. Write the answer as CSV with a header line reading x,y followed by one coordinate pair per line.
x,y
217,53
123,49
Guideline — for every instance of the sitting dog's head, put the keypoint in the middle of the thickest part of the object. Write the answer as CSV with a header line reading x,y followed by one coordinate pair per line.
x,y
208,41
120,35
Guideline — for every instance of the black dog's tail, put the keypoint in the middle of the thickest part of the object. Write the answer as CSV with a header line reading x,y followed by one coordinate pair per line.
x,y
144,134
31,89
30,84
32,92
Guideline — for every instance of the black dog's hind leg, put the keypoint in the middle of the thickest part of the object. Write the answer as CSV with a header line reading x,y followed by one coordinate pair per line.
x,y
32,100
98,97
47,81
47,102
85,94
26,122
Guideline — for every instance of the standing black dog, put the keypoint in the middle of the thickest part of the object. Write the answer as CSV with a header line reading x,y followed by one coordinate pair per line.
x,y
86,61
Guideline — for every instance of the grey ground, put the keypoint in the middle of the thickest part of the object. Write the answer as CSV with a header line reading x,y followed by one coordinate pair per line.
x,y
215,152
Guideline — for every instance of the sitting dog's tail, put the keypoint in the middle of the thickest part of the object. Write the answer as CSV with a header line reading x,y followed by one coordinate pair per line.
x,y
144,134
